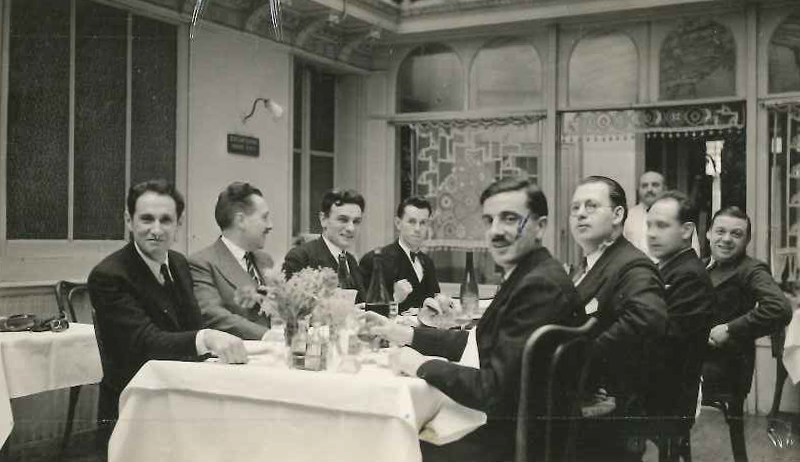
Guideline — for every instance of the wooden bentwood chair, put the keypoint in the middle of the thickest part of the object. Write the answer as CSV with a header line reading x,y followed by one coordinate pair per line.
x,y
564,354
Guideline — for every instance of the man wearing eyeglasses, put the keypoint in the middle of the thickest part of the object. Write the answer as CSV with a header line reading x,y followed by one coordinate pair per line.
x,y
535,291
620,286
749,305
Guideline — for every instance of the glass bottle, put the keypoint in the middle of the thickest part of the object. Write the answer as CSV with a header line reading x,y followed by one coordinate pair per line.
x,y
314,350
299,343
468,293
378,298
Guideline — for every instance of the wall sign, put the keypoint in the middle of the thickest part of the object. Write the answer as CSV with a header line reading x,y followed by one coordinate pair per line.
x,y
245,145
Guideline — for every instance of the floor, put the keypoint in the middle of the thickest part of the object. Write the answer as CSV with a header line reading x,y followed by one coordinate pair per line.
x,y
710,442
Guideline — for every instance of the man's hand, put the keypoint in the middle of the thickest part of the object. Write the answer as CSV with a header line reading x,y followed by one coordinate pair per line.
x,y
228,348
248,296
718,335
382,327
406,360
401,290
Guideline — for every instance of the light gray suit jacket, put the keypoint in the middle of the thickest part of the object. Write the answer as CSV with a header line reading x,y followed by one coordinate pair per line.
x,y
216,275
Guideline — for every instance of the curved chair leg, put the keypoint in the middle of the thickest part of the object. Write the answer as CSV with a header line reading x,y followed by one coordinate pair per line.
x,y
74,393
735,418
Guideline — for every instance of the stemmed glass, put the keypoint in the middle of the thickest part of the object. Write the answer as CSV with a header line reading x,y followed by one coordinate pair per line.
x,y
463,311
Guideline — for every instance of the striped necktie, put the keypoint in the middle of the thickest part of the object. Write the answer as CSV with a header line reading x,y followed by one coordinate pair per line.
x,y
251,267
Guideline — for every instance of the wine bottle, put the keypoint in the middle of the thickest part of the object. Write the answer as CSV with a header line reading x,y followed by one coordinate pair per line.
x,y
468,293
378,298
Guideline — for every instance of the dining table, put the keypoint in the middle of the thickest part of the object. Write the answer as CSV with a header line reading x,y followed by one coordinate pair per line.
x,y
266,410
33,362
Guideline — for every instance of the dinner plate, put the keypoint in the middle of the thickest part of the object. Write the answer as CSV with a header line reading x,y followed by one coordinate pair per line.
x,y
255,347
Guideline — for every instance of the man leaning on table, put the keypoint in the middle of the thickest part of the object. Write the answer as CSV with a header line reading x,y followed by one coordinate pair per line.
x,y
234,262
340,216
406,269
143,298
535,291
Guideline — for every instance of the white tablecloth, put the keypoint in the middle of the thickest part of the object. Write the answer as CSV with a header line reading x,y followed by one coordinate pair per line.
x,y
33,362
791,348
174,411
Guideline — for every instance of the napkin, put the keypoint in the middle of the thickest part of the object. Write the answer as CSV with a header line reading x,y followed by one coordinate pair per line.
x,y
470,356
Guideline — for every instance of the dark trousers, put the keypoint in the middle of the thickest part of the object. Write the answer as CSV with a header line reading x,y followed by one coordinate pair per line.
x,y
107,415
486,444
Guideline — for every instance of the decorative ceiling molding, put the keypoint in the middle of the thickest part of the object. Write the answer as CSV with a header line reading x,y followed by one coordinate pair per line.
x,y
371,36
311,28
258,14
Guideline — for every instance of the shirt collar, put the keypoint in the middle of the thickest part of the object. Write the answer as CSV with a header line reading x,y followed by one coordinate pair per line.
x,y
155,267
405,248
507,274
334,249
663,263
237,252
592,258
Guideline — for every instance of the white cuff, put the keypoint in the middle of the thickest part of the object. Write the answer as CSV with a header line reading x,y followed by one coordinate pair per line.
x,y
200,342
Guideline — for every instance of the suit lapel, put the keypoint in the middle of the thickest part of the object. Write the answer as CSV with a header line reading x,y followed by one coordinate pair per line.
x,y
323,255
595,278
149,287
229,267
405,267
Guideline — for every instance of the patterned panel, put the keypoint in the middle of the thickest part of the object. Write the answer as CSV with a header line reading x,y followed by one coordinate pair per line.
x,y
455,164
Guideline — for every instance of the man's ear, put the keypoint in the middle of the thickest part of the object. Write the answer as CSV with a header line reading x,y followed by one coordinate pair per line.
x,y
397,222
687,229
128,219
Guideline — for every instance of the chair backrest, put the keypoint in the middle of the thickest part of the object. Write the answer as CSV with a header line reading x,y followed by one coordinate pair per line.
x,y
105,361
561,355
66,294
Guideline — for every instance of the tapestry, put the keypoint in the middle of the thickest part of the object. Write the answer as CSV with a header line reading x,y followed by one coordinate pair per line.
x,y
453,164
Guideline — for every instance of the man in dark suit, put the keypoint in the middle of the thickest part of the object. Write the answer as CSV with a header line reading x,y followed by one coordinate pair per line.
x,y
234,262
142,295
408,271
690,300
340,217
749,304
621,287
535,291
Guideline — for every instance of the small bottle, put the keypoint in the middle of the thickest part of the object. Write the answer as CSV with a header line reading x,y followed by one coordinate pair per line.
x,y
299,343
468,294
378,298
314,349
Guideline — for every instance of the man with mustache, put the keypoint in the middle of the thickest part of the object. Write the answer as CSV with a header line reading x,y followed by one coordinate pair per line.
x,y
143,298
409,271
620,286
535,291
651,184
234,262
340,216
749,305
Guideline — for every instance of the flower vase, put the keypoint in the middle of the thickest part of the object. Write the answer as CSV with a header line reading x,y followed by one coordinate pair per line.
x,y
347,347
289,331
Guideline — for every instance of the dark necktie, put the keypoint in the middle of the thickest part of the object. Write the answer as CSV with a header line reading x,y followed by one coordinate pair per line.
x,y
343,261
414,256
580,271
251,267
168,282
172,290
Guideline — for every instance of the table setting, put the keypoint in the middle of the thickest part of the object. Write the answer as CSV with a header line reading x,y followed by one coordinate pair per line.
x,y
319,386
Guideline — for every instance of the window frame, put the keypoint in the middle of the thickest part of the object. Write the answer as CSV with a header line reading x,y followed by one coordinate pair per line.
x,y
26,260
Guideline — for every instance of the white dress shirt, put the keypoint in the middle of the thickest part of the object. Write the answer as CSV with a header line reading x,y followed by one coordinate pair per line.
x,y
237,252
415,263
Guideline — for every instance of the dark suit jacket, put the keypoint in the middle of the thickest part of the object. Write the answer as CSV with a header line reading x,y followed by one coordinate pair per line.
x,y
538,292
690,303
137,320
315,254
625,286
217,275
752,304
396,266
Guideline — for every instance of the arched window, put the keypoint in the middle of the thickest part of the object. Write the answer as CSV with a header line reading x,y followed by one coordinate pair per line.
x,y
784,56
604,69
506,73
430,79
697,60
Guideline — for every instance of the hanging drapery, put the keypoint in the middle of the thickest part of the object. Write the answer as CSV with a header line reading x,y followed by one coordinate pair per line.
x,y
676,121
453,161
784,147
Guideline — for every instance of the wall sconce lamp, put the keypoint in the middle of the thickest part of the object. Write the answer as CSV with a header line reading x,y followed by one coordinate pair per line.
x,y
274,108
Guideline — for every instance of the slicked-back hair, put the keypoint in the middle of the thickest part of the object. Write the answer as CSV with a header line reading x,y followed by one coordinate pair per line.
x,y
735,212
339,197
414,201
687,213
616,193
232,200
159,186
536,200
